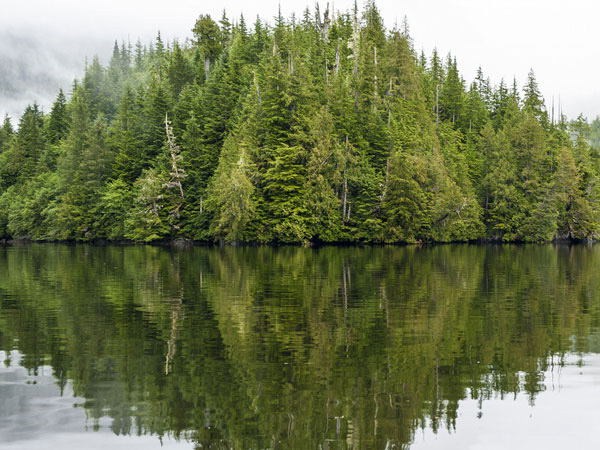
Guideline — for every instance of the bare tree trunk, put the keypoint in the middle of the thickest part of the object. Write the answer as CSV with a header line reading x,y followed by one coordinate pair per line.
x,y
326,25
344,197
177,174
336,68
206,66
257,89
389,93
355,44
437,105
375,93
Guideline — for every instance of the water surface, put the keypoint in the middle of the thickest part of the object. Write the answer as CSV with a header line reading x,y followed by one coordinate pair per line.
x,y
461,347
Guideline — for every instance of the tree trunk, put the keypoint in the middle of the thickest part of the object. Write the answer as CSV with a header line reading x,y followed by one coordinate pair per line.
x,y
437,105
375,77
344,198
336,68
206,66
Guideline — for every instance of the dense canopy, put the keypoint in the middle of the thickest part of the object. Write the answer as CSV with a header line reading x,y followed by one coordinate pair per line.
x,y
322,128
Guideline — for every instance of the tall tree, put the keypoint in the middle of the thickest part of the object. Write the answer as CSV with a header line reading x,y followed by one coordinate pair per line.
x,y
209,40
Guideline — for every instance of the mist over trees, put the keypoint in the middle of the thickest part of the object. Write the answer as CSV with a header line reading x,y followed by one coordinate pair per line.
x,y
322,128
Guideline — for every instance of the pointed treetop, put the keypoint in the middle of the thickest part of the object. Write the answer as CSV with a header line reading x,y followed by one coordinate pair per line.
x,y
242,25
515,90
406,29
7,125
533,100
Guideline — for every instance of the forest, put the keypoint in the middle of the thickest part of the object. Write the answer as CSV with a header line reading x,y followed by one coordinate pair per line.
x,y
323,128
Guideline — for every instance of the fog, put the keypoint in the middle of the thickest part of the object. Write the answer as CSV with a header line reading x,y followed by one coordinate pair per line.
x,y
43,45
34,67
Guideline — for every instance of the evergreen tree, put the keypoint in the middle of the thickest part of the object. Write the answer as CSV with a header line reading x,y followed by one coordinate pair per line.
x,y
28,145
6,134
179,70
533,102
230,194
58,120
209,40
126,138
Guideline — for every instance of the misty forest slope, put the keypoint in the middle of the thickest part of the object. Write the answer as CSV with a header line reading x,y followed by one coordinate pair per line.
x,y
320,128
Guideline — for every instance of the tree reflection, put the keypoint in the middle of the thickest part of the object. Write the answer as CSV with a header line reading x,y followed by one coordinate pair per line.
x,y
296,347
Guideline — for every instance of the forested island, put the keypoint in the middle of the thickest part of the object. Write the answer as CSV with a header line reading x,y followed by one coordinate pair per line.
x,y
322,128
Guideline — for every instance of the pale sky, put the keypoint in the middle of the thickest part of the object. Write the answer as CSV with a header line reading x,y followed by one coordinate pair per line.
x,y
47,41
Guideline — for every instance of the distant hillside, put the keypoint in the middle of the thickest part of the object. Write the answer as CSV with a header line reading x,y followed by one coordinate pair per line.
x,y
33,68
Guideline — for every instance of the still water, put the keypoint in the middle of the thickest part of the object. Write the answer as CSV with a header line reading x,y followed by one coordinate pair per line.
x,y
448,347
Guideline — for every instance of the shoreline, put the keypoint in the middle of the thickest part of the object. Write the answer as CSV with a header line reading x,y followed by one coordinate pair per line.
x,y
186,243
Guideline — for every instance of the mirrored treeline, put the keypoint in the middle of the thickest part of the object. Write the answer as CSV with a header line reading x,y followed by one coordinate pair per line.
x,y
295,347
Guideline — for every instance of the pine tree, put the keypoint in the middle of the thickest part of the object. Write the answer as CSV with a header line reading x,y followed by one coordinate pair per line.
x,y
29,144
533,102
451,95
57,126
209,40
179,70
126,138
156,106
6,134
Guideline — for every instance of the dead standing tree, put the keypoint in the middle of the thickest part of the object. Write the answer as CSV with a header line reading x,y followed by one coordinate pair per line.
x,y
177,174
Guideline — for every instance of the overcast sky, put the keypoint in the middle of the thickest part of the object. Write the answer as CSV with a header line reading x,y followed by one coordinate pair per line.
x,y
43,43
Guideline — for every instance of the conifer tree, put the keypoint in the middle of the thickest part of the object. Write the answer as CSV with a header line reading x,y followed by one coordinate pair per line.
x,y
6,134
29,144
230,194
126,138
533,102
58,120
179,70
209,40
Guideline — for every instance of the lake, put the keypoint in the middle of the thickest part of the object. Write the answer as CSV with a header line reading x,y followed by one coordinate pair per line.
x,y
450,346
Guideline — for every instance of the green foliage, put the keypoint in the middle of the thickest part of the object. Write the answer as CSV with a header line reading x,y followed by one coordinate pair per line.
x,y
230,194
114,206
6,134
324,128
29,144
147,220
209,39
57,125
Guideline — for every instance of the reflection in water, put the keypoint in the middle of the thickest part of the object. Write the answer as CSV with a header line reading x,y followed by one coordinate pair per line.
x,y
33,416
294,347
565,416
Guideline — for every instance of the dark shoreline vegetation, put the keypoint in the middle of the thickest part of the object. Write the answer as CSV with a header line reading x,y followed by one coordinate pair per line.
x,y
323,128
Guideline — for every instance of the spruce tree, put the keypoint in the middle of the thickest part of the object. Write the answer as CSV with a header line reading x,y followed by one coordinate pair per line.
x,y
57,126
6,134
209,40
